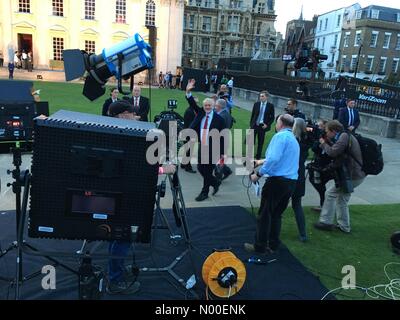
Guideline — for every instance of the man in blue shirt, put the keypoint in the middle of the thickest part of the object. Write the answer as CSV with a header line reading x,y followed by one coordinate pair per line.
x,y
282,166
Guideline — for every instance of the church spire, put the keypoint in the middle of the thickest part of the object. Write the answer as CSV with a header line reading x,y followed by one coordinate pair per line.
x,y
301,13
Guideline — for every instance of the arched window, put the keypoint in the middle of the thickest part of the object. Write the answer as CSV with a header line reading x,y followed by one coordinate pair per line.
x,y
150,14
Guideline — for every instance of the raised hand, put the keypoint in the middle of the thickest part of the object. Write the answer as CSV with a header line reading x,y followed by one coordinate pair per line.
x,y
191,85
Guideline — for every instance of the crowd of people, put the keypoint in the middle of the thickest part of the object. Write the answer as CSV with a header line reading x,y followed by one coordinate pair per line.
x,y
337,156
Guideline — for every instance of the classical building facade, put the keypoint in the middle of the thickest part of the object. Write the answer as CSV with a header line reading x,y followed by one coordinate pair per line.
x,y
370,45
216,29
46,27
328,35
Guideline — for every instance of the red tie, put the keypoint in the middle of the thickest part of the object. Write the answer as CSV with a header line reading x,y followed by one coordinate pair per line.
x,y
205,129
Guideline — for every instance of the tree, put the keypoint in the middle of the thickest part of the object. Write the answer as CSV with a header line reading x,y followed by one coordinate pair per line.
x,y
393,79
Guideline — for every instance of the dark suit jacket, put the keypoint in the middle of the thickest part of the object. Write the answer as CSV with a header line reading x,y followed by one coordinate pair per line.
x,y
106,106
269,115
344,118
144,108
217,123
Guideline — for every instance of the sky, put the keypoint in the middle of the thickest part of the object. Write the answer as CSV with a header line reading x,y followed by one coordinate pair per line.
x,y
290,9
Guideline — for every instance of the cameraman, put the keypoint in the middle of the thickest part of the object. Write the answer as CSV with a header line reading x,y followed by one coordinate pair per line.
x,y
345,149
121,278
317,169
292,109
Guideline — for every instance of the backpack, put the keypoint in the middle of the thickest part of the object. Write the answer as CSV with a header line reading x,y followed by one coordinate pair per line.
x,y
372,155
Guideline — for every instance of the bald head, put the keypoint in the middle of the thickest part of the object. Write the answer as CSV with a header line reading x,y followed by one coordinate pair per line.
x,y
136,91
284,121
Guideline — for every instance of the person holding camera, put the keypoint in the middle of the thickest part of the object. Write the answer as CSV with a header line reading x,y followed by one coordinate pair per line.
x,y
262,117
293,111
206,121
345,149
317,169
122,280
282,167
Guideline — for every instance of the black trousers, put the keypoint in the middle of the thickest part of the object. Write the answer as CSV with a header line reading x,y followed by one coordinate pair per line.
x,y
274,201
206,170
259,135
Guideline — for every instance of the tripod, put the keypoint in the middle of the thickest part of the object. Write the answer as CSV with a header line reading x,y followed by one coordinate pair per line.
x,y
22,178
179,209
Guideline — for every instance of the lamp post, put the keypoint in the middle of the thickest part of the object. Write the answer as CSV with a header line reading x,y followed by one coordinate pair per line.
x,y
358,60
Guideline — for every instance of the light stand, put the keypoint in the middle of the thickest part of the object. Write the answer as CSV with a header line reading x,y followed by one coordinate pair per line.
x,y
180,212
22,178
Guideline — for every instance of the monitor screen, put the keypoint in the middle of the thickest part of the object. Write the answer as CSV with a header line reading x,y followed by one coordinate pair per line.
x,y
92,203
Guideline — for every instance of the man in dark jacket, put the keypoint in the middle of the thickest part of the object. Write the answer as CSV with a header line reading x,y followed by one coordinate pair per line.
x,y
293,111
141,105
262,117
188,118
113,98
349,117
204,124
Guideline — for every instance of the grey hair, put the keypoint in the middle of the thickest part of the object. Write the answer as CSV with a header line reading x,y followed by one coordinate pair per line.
x,y
209,101
299,127
222,103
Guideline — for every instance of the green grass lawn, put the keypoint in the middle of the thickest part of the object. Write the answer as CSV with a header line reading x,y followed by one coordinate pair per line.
x,y
367,248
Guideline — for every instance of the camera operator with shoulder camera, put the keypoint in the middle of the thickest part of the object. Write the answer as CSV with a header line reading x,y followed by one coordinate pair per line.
x,y
293,111
345,149
319,175
121,278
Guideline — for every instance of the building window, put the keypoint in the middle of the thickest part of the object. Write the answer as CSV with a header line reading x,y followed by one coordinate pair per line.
x,y
259,25
343,65
90,46
353,62
374,39
386,40
326,24
317,44
359,14
205,45
58,47
120,11
336,40
346,39
24,6
150,14
369,63
398,42
382,65
261,7
90,9
216,4
58,8
375,14
233,24
339,19
207,3
395,65
231,49
320,25
190,44
191,22
204,64
198,3
398,17
206,23
357,40
323,43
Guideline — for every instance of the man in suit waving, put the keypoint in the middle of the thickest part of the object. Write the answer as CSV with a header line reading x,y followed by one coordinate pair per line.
x,y
262,117
205,122
349,116
141,105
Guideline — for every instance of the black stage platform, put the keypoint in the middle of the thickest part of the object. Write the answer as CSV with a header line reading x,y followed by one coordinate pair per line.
x,y
284,279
